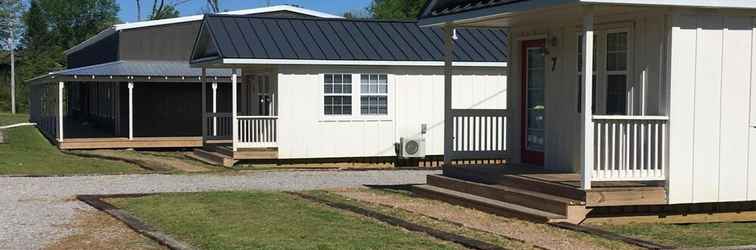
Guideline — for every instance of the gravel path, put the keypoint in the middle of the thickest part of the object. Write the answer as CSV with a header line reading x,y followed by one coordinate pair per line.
x,y
35,212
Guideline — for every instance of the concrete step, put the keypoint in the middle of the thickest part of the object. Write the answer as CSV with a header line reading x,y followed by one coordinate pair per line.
x,y
541,201
212,158
488,205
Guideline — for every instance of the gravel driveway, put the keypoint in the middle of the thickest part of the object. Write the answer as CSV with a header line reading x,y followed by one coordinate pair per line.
x,y
34,212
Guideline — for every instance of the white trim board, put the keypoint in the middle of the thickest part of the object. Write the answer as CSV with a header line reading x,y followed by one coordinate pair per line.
x,y
118,27
358,63
494,12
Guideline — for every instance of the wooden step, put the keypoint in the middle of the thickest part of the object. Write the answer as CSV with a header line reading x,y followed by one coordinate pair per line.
x,y
541,201
540,186
487,205
212,158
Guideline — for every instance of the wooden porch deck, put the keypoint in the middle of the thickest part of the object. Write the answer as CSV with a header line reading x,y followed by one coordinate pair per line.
x,y
535,193
138,142
603,193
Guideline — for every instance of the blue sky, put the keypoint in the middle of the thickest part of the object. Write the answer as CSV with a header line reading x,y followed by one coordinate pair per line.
x,y
192,7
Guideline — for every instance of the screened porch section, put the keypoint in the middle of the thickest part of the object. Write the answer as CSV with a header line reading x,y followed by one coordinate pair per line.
x,y
242,114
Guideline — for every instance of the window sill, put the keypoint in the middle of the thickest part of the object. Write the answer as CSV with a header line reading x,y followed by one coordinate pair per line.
x,y
355,119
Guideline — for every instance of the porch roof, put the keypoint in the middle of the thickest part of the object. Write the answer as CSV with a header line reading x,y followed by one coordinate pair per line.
x,y
437,12
134,71
227,39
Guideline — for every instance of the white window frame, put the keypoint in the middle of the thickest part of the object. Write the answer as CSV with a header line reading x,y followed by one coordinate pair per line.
x,y
356,94
323,95
629,102
601,74
368,94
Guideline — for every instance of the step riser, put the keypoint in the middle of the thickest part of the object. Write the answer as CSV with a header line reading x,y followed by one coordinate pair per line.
x,y
213,158
518,182
541,187
480,206
508,196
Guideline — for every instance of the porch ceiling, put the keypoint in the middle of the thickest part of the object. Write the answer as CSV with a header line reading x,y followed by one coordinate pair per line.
x,y
482,12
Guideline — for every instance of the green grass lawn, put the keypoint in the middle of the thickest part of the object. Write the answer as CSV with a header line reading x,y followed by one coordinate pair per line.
x,y
29,153
267,220
8,118
692,235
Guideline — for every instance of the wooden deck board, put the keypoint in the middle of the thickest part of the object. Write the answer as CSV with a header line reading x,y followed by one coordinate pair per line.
x,y
565,184
139,142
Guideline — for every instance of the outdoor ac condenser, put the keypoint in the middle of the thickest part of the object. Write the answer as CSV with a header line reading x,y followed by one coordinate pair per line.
x,y
413,147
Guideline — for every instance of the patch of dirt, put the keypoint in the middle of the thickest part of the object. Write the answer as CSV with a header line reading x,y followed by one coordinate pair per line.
x,y
533,233
97,230
153,161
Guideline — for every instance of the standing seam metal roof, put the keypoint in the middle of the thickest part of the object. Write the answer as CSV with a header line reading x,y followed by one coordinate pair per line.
x,y
347,39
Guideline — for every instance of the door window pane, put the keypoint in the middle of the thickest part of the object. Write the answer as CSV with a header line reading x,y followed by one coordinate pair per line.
x,y
616,95
535,102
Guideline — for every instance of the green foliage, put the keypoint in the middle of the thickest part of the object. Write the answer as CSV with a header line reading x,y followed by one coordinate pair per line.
x,y
167,11
52,26
396,9
266,220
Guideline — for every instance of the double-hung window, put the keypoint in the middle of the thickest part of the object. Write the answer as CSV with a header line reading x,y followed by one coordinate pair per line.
x,y
337,94
616,73
610,74
373,94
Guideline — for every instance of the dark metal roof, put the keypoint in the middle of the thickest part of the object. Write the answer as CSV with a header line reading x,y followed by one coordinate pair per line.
x,y
434,8
341,39
120,69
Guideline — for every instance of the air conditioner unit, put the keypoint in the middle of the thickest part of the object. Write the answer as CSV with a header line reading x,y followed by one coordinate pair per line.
x,y
412,147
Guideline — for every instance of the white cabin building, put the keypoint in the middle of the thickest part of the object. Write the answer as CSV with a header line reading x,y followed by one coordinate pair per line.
x,y
604,95
339,88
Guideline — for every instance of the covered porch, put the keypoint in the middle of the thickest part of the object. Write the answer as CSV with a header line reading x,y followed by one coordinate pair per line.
x,y
607,57
240,119
122,104
587,123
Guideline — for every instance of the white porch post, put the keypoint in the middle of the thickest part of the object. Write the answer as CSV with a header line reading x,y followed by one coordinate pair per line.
x,y
586,156
204,104
215,108
61,85
234,131
448,123
131,110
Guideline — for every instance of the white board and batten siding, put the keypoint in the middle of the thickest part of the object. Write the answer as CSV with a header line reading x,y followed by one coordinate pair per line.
x,y
712,109
415,97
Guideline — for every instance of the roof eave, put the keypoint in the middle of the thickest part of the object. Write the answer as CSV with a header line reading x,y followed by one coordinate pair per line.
x,y
489,12
104,33
184,19
225,62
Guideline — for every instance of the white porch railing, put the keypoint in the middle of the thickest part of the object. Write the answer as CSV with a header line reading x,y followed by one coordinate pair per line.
x,y
257,131
218,126
479,134
629,148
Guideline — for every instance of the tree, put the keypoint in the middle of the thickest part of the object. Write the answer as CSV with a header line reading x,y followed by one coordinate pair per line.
x,y
55,25
214,6
168,11
396,9
162,9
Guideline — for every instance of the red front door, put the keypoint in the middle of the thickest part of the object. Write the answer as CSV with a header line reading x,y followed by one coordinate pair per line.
x,y
533,101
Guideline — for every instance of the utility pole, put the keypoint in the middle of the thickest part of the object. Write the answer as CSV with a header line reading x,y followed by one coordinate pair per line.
x,y
13,70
